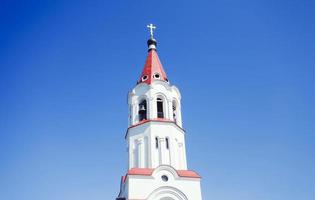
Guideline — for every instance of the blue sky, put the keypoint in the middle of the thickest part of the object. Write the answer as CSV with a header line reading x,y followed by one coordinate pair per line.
x,y
245,69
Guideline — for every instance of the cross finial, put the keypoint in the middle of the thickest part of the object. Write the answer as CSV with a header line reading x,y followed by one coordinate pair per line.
x,y
151,27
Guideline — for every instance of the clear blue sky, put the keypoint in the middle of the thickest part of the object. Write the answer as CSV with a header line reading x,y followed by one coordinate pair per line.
x,y
245,69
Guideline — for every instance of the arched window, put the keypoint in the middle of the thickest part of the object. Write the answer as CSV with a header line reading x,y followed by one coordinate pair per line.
x,y
167,143
175,111
142,110
160,109
156,142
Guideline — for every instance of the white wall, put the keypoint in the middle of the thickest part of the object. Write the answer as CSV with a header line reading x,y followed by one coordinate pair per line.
x,y
142,147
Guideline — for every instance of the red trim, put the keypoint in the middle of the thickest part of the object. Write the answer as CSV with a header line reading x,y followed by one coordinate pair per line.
x,y
153,120
149,171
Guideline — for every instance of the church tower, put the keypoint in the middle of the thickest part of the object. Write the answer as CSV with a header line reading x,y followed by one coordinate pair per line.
x,y
157,165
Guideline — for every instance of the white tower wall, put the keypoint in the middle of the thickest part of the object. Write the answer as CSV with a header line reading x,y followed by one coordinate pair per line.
x,y
145,153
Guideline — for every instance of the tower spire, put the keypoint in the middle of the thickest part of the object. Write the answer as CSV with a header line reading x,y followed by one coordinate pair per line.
x,y
153,69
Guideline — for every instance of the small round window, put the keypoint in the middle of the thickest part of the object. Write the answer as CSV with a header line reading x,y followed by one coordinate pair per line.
x,y
144,78
164,178
157,76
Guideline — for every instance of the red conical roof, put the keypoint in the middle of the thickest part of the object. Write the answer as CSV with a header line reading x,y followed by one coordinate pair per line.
x,y
153,69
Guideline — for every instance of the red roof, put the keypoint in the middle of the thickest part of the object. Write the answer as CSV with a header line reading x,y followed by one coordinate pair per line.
x,y
140,171
188,173
153,69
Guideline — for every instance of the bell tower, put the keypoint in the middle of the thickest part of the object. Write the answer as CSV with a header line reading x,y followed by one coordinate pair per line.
x,y
157,165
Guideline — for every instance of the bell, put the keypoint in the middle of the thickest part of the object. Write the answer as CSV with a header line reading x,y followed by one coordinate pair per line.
x,y
142,109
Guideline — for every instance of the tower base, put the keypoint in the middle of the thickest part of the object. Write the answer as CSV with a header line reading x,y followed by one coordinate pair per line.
x,y
164,182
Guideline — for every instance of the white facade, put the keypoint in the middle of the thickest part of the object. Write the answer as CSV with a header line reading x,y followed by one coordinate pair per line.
x,y
157,165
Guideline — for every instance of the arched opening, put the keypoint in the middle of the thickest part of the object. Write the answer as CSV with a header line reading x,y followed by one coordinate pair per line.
x,y
175,115
160,108
167,193
167,142
142,110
